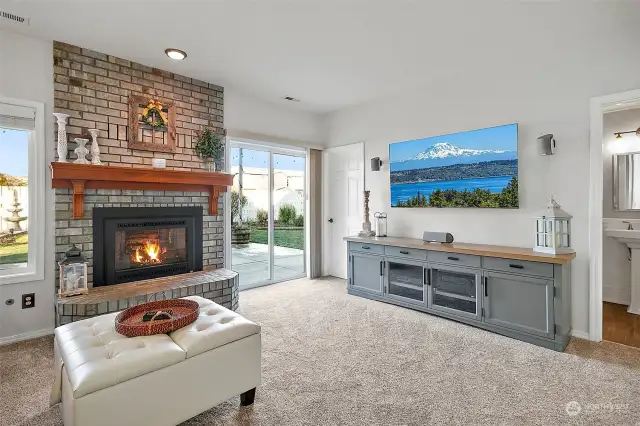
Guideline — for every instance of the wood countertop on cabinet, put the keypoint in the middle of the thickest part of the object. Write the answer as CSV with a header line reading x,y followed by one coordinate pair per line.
x,y
504,252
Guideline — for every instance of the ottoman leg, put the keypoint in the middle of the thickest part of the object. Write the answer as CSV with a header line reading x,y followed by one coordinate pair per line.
x,y
246,398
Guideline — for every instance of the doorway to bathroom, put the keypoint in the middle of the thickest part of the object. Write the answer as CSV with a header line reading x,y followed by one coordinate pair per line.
x,y
268,213
614,219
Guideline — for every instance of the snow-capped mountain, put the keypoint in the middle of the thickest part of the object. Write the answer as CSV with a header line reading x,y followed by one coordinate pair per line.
x,y
446,154
444,150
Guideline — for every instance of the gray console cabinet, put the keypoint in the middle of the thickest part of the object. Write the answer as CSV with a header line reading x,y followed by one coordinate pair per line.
x,y
522,299
366,272
519,303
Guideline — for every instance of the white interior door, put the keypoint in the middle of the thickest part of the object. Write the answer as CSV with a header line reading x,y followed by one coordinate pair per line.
x,y
343,187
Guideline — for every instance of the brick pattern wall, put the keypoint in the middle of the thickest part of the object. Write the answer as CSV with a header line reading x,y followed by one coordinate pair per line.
x,y
93,88
80,231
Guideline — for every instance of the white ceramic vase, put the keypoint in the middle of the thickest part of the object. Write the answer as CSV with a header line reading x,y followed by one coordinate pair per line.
x,y
81,151
95,149
62,136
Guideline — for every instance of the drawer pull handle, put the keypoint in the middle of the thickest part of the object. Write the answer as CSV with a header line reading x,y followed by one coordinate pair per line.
x,y
404,252
511,265
453,258
366,248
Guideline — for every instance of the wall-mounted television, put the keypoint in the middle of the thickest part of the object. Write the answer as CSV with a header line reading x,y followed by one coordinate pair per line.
x,y
478,168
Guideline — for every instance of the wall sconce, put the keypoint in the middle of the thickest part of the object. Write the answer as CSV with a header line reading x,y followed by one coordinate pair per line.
x,y
619,134
376,163
546,145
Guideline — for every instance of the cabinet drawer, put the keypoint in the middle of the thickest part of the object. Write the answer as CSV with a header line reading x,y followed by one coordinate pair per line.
x,y
366,248
455,259
405,252
519,266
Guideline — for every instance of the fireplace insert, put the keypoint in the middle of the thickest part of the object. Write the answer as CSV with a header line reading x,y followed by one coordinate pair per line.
x,y
138,243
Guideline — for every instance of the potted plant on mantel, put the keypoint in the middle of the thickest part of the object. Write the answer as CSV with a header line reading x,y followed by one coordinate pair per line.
x,y
240,232
209,147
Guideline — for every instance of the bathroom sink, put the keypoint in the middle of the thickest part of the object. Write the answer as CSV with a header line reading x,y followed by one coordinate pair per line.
x,y
631,238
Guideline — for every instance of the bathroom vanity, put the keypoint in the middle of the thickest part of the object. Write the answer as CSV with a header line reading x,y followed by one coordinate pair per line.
x,y
508,290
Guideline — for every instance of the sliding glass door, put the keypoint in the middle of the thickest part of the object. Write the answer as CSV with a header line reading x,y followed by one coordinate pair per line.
x,y
267,213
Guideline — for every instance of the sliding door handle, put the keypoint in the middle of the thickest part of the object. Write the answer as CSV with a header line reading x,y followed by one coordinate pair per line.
x,y
381,266
486,286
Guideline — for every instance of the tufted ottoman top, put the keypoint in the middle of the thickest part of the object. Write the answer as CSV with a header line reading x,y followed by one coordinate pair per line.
x,y
95,356
216,326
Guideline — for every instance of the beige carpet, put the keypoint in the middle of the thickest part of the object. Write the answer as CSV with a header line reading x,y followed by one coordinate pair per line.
x,y
334,359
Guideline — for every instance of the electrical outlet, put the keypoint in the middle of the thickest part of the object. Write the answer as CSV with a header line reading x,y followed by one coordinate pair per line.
x,y
28,300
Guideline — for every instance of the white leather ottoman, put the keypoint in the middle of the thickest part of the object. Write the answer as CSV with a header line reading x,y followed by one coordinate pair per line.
x,y
105,378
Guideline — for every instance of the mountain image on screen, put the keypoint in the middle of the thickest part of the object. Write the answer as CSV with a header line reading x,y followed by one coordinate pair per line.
x,y
470,169
445,154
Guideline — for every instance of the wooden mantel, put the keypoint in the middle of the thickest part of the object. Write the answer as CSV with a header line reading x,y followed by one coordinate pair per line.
x,y
88,176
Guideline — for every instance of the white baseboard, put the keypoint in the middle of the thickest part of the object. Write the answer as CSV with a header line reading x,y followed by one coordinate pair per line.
x,y
621,296
25,336
580,334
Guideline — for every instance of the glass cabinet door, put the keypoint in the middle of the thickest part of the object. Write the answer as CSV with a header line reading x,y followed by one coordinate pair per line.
x,y
405,280
455,290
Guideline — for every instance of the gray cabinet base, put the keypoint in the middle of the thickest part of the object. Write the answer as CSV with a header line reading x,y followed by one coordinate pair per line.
x,y
558,344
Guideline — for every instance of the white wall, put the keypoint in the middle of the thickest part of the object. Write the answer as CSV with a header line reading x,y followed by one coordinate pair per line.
x,y
616,267
26,70
555,102
250,118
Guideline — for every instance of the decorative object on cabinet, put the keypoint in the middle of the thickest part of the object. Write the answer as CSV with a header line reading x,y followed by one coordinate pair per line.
x,y
95,149
381,224
437,237
152,124
81,151
73,273
209,147
546,145
478,168
62,136
366,225
376,163
159,163
553,230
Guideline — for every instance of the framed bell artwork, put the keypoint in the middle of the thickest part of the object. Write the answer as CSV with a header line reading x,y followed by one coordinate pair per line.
x,y
152,124
73,273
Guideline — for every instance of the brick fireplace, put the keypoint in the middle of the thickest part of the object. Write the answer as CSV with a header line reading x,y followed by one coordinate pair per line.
x,y
94,89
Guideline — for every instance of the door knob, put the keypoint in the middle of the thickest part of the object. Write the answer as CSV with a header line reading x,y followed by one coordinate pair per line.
x,y
331,220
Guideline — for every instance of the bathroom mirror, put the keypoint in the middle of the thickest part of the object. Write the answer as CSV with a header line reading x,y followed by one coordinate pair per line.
x,y
626,181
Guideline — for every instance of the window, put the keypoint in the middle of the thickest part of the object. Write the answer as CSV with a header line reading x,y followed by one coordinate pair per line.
x,y
22,189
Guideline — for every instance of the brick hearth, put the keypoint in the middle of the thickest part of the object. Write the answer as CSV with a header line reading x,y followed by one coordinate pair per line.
x,y
220,285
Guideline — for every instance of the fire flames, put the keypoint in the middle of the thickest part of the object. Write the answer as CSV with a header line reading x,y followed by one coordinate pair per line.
x,y
151,252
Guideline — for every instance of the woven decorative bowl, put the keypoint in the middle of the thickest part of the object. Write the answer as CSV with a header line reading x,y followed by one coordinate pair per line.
x,y
129,322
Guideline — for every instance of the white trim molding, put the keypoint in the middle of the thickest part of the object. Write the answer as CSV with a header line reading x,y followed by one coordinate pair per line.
x,y
599,106
580,334
34,271
26,336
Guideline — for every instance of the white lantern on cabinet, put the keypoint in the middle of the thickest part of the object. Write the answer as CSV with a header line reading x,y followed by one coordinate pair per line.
x,y
553,230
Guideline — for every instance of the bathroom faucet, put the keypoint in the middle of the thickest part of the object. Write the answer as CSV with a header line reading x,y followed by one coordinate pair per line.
x,y
630,227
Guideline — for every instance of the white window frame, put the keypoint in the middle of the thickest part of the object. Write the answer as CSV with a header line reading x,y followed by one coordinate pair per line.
x,y
34,271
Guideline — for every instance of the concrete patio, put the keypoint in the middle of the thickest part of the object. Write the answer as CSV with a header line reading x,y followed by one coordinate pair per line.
x,y
252,263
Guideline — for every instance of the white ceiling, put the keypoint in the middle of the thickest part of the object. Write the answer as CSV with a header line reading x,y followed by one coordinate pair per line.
x,y
336,53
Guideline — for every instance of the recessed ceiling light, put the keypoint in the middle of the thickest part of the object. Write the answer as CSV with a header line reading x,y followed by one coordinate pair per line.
x,y
618,104
176,54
